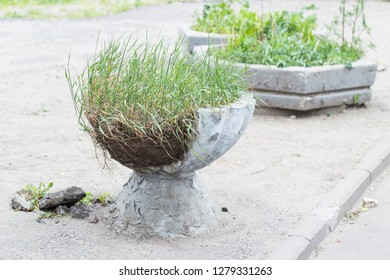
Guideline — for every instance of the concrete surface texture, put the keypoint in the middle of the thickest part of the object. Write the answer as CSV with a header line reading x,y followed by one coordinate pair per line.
x,y
312,80
162,206
309,102
362,235
280,170
303,89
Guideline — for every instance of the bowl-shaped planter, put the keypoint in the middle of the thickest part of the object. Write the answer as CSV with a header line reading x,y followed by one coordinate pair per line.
x,y
165,114
308,88
168,201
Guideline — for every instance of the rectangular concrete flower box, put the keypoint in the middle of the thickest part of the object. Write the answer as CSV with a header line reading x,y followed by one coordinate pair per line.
x,y
308,88
195,38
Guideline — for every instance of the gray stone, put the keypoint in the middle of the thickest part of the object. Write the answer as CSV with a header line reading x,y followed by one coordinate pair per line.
x,y
93,219
62,210
194,38
67,197
168,201
21,204
79,211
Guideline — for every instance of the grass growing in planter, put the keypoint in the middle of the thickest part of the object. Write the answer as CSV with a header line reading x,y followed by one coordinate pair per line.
x,y
286,38
139,100
218,17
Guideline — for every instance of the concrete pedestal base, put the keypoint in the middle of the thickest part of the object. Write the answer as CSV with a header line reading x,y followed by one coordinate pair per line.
x,y
162,205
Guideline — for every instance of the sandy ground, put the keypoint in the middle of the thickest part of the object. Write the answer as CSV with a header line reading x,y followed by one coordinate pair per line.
x,y
274,176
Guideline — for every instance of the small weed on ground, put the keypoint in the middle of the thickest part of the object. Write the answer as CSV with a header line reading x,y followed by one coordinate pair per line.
x,y
35,193
88,199
104,198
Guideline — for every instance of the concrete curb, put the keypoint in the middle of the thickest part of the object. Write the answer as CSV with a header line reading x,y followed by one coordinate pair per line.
x,y
324,219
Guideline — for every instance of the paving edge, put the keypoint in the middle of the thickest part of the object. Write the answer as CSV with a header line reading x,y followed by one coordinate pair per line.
x,y
324,219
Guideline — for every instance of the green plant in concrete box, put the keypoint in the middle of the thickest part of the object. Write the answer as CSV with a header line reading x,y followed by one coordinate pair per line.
x,y
286,38
283,39
216,18
350,25
139,100
220,17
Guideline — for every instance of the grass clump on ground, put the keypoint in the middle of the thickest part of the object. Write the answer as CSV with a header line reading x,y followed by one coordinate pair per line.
x,y
50,9
139,100
285,38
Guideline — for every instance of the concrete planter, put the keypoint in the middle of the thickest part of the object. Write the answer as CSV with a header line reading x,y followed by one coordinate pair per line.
x,y
168,201
307,88
195,38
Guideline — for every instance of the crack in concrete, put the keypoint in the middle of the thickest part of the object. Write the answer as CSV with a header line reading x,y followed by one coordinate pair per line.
x,y
293,235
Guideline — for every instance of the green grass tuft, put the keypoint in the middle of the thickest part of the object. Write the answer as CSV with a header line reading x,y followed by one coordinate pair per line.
x,y
145,90
35,193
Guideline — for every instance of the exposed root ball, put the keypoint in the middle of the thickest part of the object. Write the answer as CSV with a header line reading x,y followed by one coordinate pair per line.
x,y
136,151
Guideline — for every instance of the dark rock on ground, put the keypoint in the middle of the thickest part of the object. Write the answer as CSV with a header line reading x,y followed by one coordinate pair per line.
x,y
62,210
67,197
19,203
224,209
79,211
